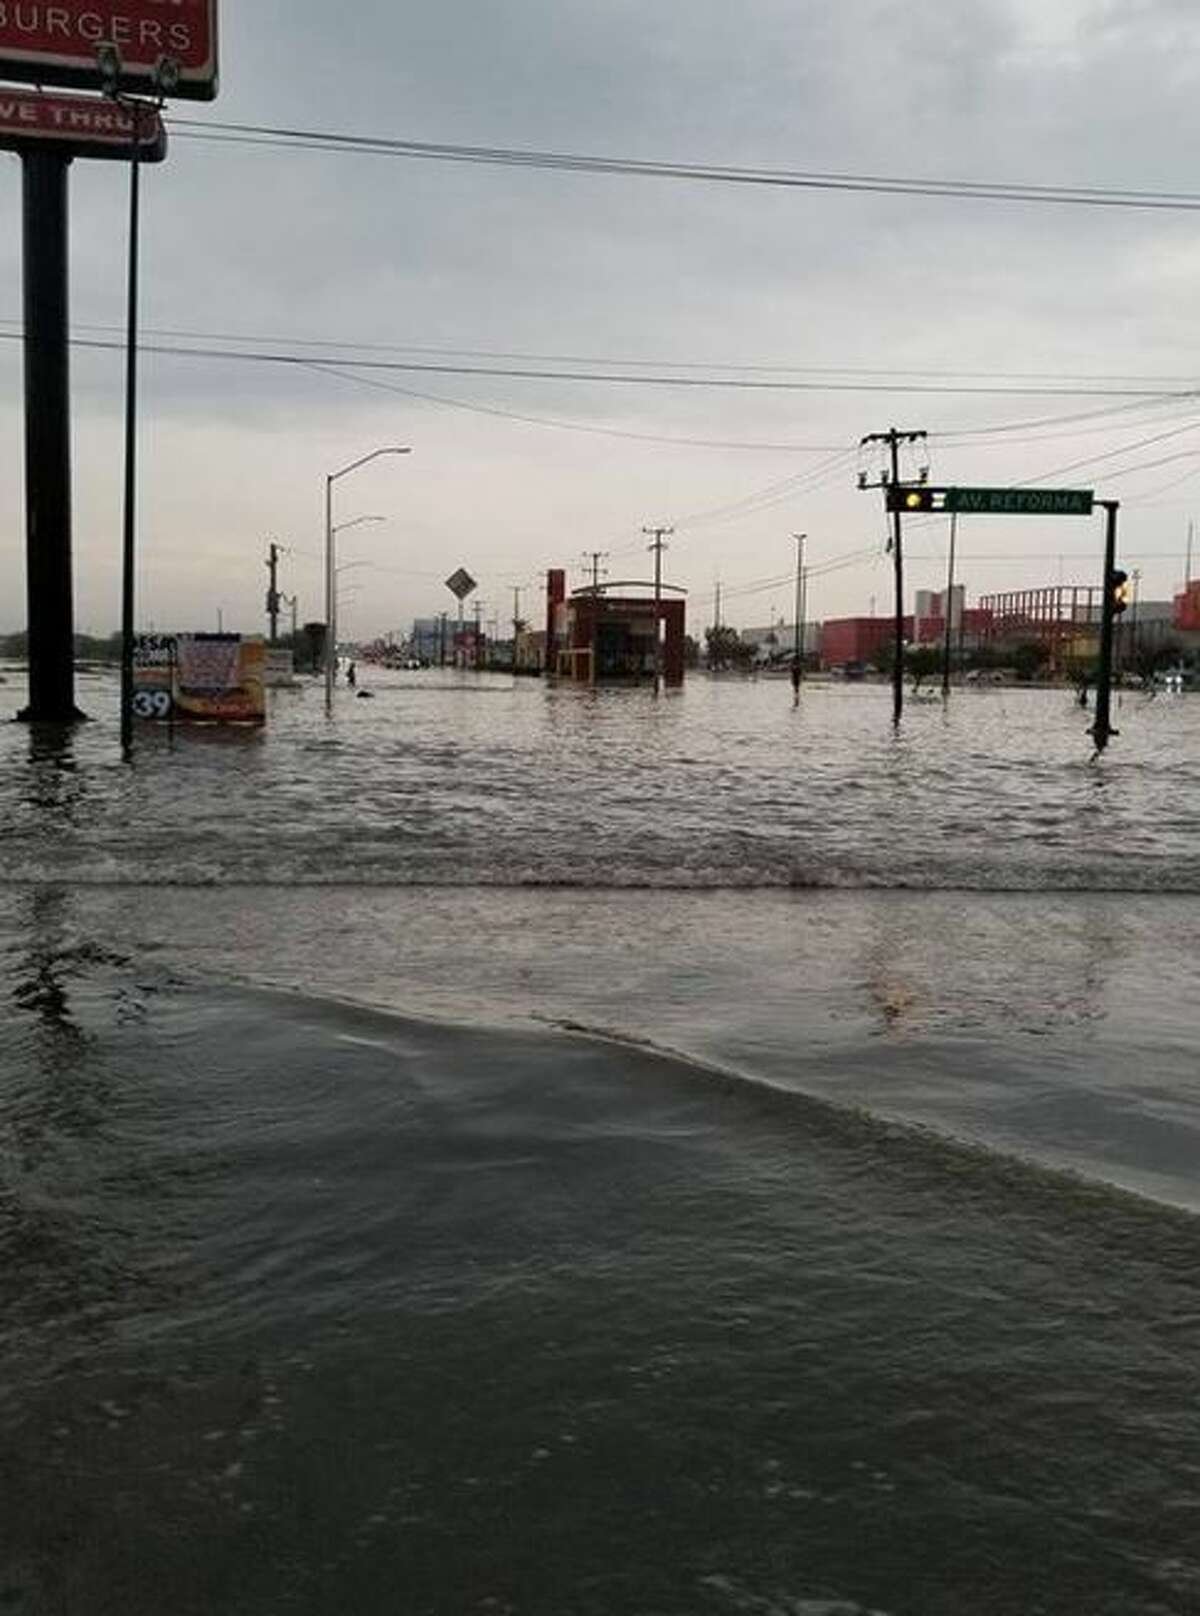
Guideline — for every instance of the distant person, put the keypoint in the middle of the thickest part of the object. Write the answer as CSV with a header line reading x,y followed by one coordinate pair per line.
x,y
351,676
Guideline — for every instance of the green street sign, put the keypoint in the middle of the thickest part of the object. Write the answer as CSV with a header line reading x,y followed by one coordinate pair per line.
x,y
1019,501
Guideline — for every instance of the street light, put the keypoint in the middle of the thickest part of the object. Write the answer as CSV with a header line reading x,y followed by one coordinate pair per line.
x,y
330,573
341,527
798,646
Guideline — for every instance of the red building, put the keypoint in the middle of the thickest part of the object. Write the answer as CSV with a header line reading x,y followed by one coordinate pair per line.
x,y
1187,608
599,636
977,624
857,639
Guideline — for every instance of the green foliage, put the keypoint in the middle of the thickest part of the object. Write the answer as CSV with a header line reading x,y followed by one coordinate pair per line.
x,y
726,649
1028,659
883,657
1153,659
922,662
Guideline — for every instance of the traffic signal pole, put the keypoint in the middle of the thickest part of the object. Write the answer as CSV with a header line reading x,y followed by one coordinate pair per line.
x,y
1102,728
894,439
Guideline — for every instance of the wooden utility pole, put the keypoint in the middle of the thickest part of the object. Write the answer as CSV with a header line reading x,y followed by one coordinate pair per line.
x,y
592,559
273,591
516,622
657,536
894,439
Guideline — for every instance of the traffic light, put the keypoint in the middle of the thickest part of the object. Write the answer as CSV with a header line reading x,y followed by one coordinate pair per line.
x,y
1118,591
902,498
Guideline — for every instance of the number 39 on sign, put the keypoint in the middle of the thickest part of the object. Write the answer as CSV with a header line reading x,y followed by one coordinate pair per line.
x,y
152,704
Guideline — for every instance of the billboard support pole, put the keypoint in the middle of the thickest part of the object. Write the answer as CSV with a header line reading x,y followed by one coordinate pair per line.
x,y
48,441
129,534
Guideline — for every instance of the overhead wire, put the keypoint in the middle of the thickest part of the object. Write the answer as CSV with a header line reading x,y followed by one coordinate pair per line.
x,y
617,378
217,133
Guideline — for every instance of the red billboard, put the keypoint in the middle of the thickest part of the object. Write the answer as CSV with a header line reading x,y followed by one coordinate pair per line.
x,y
56,43
78,126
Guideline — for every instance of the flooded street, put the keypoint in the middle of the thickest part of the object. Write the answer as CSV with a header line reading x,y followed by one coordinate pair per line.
x,y
743,1158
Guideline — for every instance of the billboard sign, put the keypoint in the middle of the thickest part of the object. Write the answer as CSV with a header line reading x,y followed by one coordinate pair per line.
x,y
200,679
153,676
219,679
55,42
78,126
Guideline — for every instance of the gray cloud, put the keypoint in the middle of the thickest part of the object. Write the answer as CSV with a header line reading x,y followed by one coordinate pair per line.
x,y
291,245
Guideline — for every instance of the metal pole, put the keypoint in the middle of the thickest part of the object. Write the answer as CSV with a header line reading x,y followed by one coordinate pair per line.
x,y
949,608
128,547
1102,728
330,586
51,623
898,567
658,549
799,538
657,535
803,615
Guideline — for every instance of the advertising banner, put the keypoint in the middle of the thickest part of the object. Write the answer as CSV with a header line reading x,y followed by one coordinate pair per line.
x,y
199,679
219,679
78,126
153,676
55,42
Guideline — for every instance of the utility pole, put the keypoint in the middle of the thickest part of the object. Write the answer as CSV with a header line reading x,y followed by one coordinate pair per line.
x,y
479,609
894,439
717,605
657,536
593,558
796,629
1102,728
949,608
441,639
1187,582
273,590
516,622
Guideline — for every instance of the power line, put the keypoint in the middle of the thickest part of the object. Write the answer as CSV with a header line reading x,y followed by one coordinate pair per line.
x,y
619,378
347,346
325,368
703,173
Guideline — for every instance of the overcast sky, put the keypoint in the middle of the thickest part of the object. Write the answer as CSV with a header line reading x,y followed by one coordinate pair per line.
x,y
283,247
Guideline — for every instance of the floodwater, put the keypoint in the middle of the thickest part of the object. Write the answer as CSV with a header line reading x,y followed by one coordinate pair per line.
x,y
550,1152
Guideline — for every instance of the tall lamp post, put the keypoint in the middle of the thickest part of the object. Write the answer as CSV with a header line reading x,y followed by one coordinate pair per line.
x,y
797,648
330,574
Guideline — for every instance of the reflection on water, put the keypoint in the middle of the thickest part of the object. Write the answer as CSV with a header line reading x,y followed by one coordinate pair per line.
x,y
56,785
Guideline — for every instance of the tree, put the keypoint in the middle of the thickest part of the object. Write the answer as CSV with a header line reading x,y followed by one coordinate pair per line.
x,y
1152,659
1029,658
884,655
726,649
691,652
922,662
